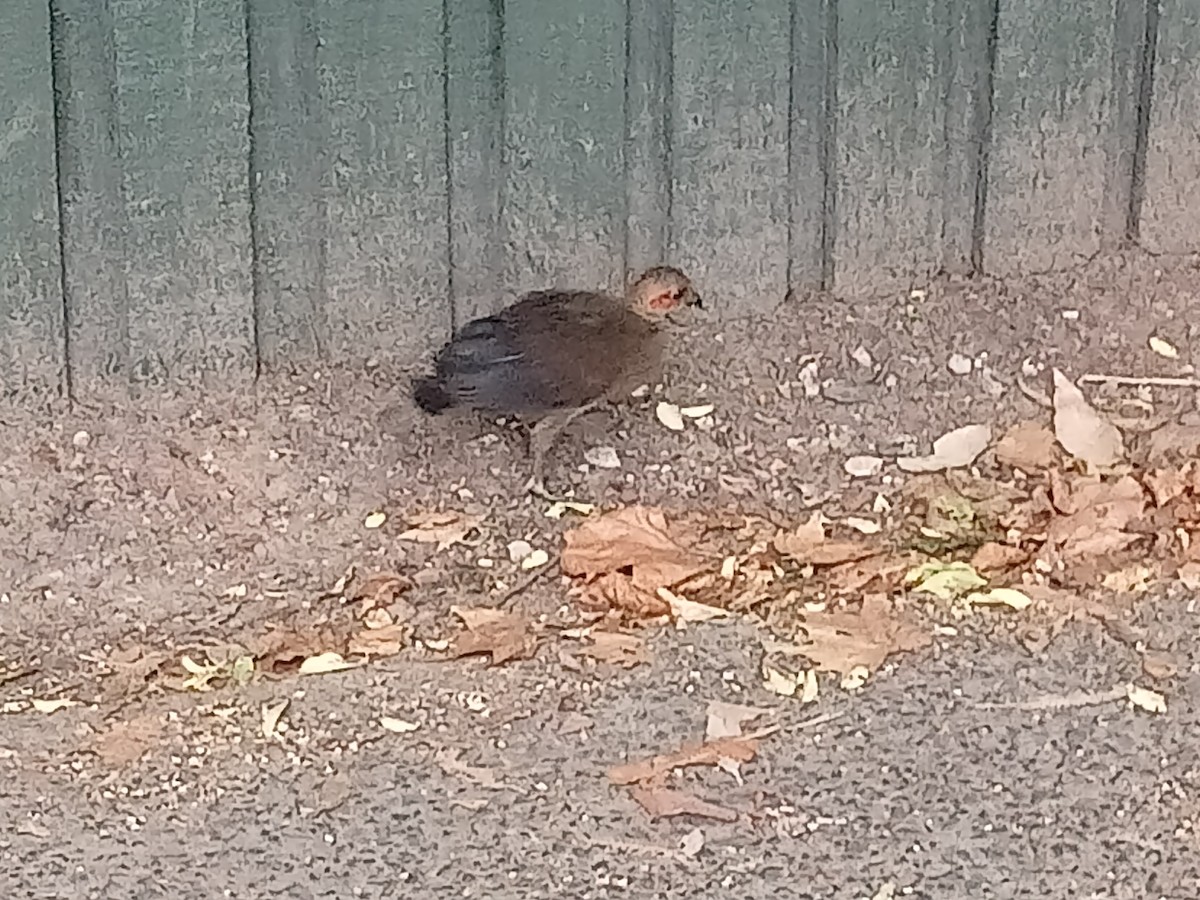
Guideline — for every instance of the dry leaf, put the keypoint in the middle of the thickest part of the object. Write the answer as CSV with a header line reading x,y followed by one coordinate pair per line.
x,y
625,650
1027,446
863,466
863,526
692,843
946,581
536,559
993,557
397,726
1144,698
561,507
661,802
442,528
1163,347
1081,430
684,610
503,635
52,706
1159,665
387,640
953,450
1189,575
669,415
374,520
840,641
782,682
807,545
271,714
726,719
711,753
382,590
638,537
1101,512
325,663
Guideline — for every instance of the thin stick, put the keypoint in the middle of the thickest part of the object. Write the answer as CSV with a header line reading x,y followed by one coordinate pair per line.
x,y
525,583
1136,381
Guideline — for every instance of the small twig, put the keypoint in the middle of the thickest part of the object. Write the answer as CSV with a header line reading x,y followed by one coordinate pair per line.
x,y
525,583
1139,381
1072,700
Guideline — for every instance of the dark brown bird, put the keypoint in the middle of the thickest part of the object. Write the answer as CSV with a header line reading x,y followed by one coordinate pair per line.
x,y
553,355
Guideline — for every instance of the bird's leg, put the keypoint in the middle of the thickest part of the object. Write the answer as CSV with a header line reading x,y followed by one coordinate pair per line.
x,y
541,438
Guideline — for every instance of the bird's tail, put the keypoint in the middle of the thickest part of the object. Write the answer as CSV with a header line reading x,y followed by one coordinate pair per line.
x,y
430,396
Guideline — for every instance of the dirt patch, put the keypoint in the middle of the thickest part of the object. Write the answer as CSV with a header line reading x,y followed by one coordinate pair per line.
x,y
127,537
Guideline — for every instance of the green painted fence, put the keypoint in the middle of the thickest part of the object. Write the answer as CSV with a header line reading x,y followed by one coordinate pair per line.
x,y
196,191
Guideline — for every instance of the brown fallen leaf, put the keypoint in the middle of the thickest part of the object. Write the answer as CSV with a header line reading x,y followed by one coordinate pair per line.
x,y
994,557
1082,431
1189,575
503,635
841,641
663,802
1166,485
442,528
283,651
614,648
711,753
123,743
1102,510
801,539
382,590
1173,442
638,538
617,592
1027,446
387,640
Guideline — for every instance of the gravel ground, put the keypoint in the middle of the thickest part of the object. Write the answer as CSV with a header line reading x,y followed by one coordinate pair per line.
x,y
128,538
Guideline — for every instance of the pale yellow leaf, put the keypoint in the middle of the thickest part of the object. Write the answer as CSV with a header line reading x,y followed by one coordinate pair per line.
x,y
324,663
397,726
1082,431
1163,348
271,714
669,415
1144,698
52,706
689,610
374,520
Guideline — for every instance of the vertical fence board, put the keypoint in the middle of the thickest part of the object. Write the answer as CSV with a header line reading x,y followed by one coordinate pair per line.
x,y
810,145
962,38
182,107
388,265
286,163
1051,127
475,123
730,139
564,205
904,170
648,99
92,207
32,349
1171,208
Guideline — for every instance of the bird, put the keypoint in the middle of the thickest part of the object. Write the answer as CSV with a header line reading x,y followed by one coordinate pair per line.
x,y
554,355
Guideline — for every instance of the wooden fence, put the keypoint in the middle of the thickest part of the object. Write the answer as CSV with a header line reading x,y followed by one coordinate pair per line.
x,y
196,190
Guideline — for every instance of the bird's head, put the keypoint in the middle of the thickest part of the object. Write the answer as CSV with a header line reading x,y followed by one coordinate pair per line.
x,y
660,291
